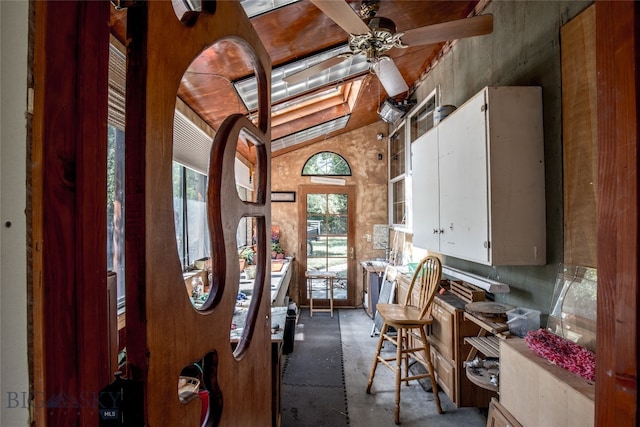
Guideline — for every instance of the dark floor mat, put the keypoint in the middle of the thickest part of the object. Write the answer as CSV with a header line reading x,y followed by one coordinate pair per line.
x,y
313,388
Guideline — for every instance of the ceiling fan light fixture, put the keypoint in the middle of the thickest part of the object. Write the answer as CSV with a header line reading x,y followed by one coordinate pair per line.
x,y
381,38
389,76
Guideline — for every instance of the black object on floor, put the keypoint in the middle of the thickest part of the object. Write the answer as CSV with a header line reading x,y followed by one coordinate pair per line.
x,y
313,387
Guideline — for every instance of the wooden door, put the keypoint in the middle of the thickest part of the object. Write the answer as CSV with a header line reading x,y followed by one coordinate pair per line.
x,y
328,241
165,333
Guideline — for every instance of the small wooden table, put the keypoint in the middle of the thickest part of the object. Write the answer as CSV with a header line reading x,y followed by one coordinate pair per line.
x,y
327,277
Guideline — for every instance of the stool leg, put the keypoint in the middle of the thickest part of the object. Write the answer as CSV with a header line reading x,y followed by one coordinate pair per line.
x,y
405,357
310,288
331,295
434,384
398,371
376,357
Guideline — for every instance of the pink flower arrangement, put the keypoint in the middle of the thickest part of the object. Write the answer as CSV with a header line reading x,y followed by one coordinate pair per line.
x,y
562,352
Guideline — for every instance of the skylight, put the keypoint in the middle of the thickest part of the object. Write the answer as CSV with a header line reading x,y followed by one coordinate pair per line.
x,y
356,64
310,133
258,7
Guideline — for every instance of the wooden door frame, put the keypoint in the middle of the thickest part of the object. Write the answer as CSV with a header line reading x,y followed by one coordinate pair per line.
x,y
59,272
350,190
66,206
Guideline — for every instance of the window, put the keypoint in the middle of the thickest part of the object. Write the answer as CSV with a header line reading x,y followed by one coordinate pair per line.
x,y
115,207
326,163
115,169
422,118
397,177
190,214
418,122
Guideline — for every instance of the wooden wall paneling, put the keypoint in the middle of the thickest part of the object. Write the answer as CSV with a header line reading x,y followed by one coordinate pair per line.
x,y
617,43
68,182
579,137
166,333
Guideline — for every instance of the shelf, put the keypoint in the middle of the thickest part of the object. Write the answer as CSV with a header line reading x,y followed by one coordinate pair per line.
x,y
489,346
497,328
482,377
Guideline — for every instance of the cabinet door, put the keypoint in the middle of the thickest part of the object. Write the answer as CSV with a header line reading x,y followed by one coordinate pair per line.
x,y
464,217
445,374
442,330
425,191
498,416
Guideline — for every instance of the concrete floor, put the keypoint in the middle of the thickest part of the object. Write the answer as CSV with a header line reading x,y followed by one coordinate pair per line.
x,y
377,409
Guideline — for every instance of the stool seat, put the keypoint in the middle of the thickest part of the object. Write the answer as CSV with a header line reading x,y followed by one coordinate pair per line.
x,y
397,315
408,321
327,277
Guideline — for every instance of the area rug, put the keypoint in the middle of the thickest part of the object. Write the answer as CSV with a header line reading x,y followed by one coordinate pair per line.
x,y
313,386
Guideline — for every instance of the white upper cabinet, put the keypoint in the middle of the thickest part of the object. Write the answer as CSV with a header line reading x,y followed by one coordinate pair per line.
x,y
478,180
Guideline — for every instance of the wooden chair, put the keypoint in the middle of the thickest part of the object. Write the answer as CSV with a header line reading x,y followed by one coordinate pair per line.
x,y
409,321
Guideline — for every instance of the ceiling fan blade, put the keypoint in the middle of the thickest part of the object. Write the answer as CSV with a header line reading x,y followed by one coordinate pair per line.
x,y
390,77
343,15
303,75
460,28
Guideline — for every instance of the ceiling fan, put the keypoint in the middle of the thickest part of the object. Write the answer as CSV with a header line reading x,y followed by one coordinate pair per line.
x,y
373,36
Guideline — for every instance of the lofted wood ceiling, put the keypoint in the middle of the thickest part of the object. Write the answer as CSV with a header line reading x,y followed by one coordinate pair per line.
x,y
297,31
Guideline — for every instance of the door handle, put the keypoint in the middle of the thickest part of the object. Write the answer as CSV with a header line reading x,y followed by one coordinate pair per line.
x,y
352,253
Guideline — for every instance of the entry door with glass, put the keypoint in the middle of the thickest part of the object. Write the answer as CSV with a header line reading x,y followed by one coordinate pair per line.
x,y
327,219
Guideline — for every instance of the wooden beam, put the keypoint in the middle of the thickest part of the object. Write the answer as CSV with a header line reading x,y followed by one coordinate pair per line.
x,y
68,171
617,43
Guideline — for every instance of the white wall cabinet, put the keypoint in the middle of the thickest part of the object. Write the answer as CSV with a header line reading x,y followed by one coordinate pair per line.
x,y
478,180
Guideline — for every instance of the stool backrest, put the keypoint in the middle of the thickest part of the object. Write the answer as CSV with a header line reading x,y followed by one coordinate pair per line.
x,y
427,279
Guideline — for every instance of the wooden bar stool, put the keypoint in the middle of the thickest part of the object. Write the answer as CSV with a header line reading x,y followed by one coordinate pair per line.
x,y
327,277
410,320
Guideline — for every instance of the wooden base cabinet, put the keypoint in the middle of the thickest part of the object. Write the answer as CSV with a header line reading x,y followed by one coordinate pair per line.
x,y
445,373
539,393
448,349
499,417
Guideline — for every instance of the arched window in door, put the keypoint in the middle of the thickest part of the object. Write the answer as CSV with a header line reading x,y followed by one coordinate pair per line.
x,y
326,163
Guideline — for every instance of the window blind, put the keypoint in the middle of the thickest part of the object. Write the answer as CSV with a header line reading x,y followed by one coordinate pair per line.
x,y
191,144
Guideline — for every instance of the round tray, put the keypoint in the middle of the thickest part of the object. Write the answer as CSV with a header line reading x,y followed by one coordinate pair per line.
x,y
482,377
495,311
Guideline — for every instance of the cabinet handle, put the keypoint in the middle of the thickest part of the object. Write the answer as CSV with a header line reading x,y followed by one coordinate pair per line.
x,y
436,231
